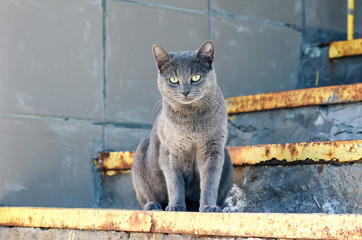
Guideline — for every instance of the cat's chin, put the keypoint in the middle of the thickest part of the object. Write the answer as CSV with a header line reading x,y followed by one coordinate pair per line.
x,y
187,100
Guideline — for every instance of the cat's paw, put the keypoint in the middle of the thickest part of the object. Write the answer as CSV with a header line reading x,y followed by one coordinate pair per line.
x,y
210,208
152,206
176,207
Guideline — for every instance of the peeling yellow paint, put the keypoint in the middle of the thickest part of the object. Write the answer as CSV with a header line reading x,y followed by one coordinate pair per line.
x,y
317,78
262,225
314,152
114,161
295,98
231,118
345,48
350,20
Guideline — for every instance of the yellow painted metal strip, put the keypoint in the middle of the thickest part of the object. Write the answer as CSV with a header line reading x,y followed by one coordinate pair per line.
x,y
314,152
345,48
262,225
269,154
114,160
295,98
350,20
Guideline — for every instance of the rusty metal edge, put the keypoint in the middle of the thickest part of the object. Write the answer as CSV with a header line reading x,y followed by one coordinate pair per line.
x,y
114,161
295,98
265,225
349,151
345,48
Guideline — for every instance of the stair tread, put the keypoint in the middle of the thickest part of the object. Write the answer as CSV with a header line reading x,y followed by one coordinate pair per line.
x,y
295,98
268,225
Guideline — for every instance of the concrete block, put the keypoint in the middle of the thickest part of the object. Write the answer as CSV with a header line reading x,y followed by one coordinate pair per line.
x,y
330,72
327,14
253,58
358,18
46,163
317,188
307,124
347,121
58,234
118,192
279,126
281,11
314,35
131,71
201,5
51,58
124,139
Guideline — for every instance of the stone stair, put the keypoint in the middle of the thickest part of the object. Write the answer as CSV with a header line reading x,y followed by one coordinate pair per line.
x,y
295,153
314,134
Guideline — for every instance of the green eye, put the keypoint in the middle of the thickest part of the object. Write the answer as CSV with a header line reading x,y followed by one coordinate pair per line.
x,y
173,80
196,78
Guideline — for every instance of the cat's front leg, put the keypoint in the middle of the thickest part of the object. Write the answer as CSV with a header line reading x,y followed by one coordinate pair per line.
x,y
176,191
175,186
210,173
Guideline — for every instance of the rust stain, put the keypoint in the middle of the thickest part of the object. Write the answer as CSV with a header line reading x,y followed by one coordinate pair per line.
x,y
267,151
295,98
103,155
320,169
141,222
345,48
293,150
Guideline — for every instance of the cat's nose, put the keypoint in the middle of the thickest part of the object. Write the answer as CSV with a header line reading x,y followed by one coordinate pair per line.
x,y
186,93
185,89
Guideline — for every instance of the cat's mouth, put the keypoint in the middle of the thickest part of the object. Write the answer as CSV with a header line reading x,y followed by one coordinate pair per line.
x,y
187,99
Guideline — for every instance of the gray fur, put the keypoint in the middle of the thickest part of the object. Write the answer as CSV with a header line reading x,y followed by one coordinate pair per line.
x,y
184,164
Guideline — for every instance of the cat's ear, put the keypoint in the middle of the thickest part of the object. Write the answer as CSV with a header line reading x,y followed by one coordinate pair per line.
x,y
161,56
206,51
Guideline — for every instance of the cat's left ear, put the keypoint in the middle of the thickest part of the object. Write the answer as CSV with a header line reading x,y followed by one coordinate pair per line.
x,y
161,56
206,51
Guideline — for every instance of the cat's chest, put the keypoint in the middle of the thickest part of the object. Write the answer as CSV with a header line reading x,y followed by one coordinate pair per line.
x,y
194,130
185,133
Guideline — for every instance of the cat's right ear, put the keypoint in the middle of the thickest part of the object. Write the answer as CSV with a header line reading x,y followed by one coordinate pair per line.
x,y
161,56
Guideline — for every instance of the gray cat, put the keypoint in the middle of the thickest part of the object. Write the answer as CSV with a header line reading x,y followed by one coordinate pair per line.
x,y
184,164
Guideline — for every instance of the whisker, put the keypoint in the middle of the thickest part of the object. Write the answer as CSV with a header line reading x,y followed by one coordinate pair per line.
x,y
156,107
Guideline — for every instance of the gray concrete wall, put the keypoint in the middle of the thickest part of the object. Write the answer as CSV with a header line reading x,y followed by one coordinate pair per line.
x,y
78,76
51,71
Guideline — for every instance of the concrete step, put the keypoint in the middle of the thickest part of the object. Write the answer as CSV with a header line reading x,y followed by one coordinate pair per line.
x,y
314,133
320,177
191,225
254,164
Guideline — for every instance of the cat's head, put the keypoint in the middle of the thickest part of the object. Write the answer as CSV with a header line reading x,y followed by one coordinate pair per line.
x,y
186,77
